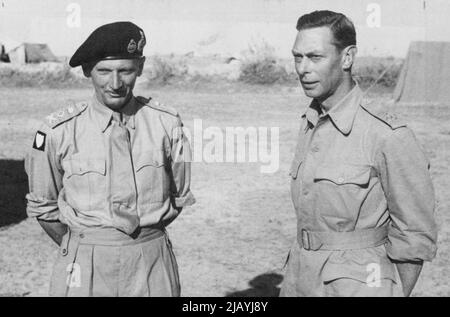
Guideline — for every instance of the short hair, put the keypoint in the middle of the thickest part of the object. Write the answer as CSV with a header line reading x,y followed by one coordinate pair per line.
x,y
341,27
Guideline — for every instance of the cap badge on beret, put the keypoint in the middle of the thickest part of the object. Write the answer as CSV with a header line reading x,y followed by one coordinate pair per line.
x,y
132,46
118,40
142,42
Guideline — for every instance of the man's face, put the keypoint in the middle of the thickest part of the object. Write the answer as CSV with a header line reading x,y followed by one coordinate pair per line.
x,y
318,62
114,81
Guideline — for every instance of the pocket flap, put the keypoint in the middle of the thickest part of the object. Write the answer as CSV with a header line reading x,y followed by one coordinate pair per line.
x,y
80,166
365,273
150,158
344,174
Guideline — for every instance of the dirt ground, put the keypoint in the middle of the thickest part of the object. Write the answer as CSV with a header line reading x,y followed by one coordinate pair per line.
x,y
234,241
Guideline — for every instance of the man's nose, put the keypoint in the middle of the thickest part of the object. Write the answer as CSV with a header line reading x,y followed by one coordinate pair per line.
x,y
303,67
116,81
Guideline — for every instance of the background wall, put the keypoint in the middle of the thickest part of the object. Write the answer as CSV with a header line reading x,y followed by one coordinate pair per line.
x,y
225,27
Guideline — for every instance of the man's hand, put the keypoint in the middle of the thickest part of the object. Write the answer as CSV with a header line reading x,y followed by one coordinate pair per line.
x,y
409,273
55,229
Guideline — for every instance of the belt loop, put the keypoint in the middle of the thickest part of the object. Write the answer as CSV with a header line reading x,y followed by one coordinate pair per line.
x,y
305,240
65,243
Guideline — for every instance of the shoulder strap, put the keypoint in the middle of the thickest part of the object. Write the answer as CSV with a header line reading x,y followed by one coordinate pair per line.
x,y
388,118
157,105
56,118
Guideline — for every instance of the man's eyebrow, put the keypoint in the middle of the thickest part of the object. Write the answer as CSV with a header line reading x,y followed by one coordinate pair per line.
x,y
126,68
312,53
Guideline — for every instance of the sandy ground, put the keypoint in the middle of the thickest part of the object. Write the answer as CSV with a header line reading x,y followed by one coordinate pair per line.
x,y
234,241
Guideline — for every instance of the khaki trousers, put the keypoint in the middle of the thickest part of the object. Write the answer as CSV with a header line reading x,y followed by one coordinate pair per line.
x,y
107,262
350,273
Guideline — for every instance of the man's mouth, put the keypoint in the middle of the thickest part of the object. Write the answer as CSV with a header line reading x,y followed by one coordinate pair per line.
x,y
116,94
309,84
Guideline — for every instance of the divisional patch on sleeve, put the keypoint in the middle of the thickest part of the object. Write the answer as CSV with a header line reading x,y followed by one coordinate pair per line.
x,y
39,141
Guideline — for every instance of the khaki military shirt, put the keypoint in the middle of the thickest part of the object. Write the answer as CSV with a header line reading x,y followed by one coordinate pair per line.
x,y
75,177
354,170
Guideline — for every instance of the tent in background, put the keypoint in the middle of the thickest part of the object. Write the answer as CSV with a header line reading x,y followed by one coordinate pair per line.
x,y
31,53
425,76
6,44
3,56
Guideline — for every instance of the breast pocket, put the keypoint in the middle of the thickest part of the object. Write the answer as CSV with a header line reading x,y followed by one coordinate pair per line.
x,y
85,181
341,190
344,175
153,176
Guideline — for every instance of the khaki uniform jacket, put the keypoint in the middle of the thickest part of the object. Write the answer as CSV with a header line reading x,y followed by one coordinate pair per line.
x,y
354,170
72,172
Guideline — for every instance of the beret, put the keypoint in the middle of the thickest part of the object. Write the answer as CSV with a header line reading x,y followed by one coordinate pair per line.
x,y
119,40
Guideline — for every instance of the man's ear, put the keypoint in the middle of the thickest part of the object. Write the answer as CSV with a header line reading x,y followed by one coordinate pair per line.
x,y
348,56
141,65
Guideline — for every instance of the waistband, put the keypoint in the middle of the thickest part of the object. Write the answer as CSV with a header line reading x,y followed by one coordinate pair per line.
x,y
114,237
338,241
105,237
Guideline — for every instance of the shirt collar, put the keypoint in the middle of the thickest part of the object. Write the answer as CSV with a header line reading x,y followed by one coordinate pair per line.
x,y
103,114
129,113
342,114
313,112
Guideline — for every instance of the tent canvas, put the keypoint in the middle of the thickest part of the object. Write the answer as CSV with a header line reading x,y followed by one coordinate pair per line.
x,y
425,76
31,53
3,56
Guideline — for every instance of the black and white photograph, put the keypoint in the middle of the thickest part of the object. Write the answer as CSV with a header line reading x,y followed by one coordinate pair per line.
x,y
244,150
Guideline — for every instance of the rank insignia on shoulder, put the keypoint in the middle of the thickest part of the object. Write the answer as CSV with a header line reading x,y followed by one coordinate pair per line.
x,y
39,141
392,120
161,107
61,116
388,117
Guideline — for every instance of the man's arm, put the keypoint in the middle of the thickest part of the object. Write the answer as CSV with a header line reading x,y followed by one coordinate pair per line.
x,y
409,192
55,229
409,274
45,182
181,169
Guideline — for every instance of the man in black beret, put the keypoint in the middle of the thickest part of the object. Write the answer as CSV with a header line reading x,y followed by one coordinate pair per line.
x,y
108,175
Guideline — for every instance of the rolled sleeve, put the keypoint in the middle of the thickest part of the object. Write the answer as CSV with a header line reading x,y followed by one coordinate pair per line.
x,y
44,180
187,200
181,168
406,181
42,208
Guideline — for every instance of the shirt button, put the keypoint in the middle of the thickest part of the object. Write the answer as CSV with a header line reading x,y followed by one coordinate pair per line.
x,y
81,235
64,251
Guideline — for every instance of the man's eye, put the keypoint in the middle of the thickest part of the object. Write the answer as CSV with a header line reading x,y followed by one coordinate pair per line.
x,y
316,58
298,59
126,71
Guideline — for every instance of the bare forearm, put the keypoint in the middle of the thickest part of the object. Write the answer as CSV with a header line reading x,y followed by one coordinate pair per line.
x,y
55,229
409,273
